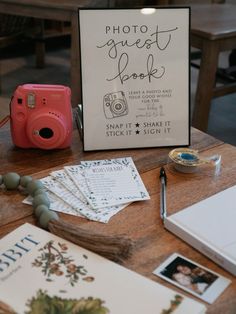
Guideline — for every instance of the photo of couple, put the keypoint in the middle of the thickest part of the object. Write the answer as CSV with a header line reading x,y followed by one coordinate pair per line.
x,y
188,275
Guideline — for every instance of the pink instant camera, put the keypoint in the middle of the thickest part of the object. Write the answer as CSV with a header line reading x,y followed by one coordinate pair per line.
x,y
41,116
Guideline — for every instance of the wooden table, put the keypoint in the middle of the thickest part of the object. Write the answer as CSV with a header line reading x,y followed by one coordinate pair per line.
x,y
140,221
59,10
213,30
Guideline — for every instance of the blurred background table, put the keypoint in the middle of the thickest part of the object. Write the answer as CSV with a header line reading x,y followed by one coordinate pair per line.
x,y
58,10
213,30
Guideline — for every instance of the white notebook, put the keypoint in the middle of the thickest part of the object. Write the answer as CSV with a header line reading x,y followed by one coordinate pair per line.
x,y
210,227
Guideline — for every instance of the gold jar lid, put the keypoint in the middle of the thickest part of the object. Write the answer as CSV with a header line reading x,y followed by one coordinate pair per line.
x,y
186,159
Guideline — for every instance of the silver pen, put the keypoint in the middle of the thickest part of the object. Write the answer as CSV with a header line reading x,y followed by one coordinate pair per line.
x,y
163,182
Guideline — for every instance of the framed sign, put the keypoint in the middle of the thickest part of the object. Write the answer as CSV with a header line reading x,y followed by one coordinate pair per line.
x,y
135,77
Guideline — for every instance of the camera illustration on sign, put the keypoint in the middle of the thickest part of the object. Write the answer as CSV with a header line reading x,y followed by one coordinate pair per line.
x,y
41,116
115,105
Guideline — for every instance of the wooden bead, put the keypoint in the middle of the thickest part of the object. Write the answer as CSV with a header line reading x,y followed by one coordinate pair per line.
x,y
11,180
40,209
25,180
33,185
45,217
41,199
36,189
39,191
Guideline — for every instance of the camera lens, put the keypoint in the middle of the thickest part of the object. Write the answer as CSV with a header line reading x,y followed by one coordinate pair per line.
x,y
46,130
118,106
46,133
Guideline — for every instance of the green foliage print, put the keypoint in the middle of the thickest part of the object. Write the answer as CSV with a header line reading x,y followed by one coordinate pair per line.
x,y
44,304
173,304
54,262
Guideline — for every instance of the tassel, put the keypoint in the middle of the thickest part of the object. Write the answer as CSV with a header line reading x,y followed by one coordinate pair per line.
x,y
115,248
6,309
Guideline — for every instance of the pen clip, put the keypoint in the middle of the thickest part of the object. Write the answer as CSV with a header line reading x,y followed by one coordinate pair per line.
x,y
163,174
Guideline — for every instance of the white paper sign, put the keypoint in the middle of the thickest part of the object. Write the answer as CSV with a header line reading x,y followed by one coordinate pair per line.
x,y
135,77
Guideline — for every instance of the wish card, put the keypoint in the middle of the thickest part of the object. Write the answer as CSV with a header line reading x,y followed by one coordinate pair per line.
x,y
57,188
56,204
113,181
76,174
65,180
96,190
79,206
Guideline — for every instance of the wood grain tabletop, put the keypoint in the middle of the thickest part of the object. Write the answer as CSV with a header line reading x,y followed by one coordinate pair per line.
x,y
140,220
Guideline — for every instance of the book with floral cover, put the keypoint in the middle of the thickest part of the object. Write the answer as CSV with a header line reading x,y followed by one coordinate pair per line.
x,y
42,273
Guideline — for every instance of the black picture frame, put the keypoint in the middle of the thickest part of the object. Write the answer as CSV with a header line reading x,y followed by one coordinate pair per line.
x,y
135,77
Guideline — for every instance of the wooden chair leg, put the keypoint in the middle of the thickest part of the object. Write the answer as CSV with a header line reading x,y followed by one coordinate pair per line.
x,y
0,79
40,44
206,83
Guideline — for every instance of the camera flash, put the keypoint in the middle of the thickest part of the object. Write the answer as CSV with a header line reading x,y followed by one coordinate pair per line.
x,y
31,100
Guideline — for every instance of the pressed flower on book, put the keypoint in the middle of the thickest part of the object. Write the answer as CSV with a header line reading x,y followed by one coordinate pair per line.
x,y
54,261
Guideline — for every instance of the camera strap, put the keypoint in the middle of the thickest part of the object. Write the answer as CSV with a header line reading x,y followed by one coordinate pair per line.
x,y
4,121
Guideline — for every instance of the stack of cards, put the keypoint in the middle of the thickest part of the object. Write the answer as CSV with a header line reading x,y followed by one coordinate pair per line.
x,y
96,190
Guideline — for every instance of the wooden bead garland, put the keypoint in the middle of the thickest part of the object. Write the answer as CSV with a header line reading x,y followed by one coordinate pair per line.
x,y
116,248
41,202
